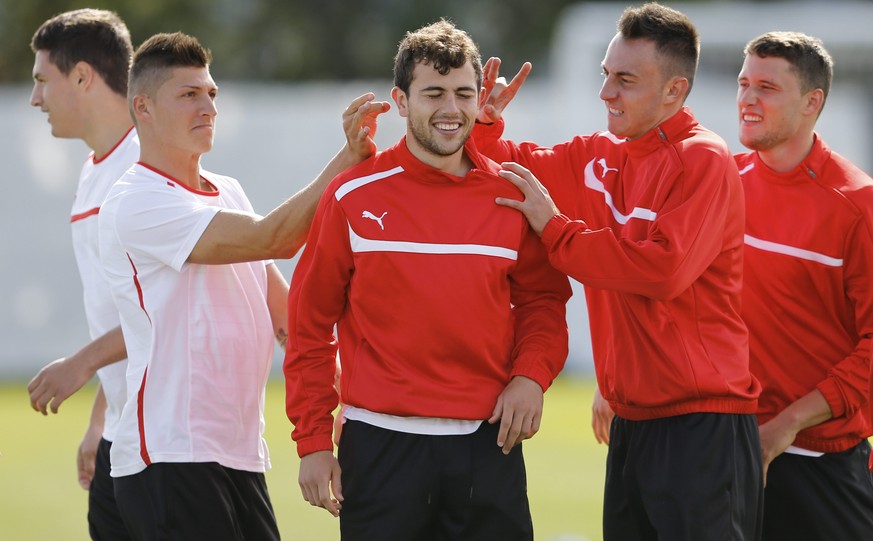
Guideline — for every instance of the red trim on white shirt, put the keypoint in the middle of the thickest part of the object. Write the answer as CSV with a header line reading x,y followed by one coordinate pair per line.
x,y
143,450
82,215
111,150
177,182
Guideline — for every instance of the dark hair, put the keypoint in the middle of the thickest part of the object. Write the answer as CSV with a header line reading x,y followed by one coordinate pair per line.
x,y
807,56
675,36
160,53
441,44
95,36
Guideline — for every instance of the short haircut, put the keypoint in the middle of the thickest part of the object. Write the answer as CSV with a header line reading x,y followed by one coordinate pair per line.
x,y
441,44
675,37
158,55
95,36
806,55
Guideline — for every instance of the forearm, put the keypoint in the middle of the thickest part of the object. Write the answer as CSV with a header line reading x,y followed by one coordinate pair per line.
x,y
288,224
810,410
98,411
100,352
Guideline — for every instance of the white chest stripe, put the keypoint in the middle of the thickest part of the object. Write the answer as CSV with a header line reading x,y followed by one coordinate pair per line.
x,y
591,181
363,181
784,249
360,245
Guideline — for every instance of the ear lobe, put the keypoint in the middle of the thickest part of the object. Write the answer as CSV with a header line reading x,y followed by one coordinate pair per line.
x,y
140,107
84,74
677,90
399,98
815,101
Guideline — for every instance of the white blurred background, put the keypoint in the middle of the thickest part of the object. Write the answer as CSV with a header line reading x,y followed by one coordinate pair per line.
x,y
276,137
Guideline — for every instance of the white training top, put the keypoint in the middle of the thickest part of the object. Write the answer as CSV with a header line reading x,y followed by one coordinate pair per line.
x,y
199,337
95,180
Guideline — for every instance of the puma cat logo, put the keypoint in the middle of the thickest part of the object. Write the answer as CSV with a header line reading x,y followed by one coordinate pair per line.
x,y
369,215
606,169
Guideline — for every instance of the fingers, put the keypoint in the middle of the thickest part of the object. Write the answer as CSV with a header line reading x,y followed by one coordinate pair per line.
x,y
518,80
85,465
516,427
357,102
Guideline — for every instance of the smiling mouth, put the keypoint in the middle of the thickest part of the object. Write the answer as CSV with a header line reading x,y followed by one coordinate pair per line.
x,y
615,112
447,126
748,117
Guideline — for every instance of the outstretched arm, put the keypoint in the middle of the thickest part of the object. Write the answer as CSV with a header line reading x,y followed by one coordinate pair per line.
x,y
59,379
233,236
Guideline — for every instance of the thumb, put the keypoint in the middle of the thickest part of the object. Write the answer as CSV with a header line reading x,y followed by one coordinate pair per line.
x,y
336,484
497,414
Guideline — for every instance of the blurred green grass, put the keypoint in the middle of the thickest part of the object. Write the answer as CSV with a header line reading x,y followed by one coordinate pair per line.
x,y
40,498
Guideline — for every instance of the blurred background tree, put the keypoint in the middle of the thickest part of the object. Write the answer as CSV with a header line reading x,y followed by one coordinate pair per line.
x,y
296,40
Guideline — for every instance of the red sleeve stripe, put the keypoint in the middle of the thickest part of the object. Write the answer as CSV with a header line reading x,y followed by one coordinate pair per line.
x,y
82,215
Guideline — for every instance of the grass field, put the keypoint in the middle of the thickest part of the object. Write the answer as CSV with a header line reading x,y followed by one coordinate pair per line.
x,y
40,498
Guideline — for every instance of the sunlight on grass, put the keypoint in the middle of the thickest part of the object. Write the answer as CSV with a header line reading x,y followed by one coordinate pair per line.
x,y
40,498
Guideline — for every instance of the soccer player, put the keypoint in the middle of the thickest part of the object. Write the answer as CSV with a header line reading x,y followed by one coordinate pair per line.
x,y
450,321
807,295
184,255
80,81
649,218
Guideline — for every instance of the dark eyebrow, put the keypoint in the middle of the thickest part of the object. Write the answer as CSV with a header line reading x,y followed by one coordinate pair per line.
x,y
443,89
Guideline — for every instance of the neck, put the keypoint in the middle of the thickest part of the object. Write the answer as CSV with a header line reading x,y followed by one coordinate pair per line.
x,y
184,168
114,122
457,164
788,155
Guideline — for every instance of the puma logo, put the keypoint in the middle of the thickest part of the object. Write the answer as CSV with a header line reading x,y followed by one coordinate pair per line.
x,y
369,215
606,169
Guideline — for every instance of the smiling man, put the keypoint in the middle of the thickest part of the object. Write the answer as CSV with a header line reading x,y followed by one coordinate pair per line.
x,y
451,324
189,455
649,218
807,295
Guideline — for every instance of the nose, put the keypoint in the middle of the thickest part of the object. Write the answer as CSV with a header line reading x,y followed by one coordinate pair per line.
x,y
36,95
607,89
745,96
450,104
208,107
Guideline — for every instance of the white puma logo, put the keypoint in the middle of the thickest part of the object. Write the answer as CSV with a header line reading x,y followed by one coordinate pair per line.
x,y
371,216
606,169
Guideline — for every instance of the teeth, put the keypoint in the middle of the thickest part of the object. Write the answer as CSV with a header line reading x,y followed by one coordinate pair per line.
x,y
446,126
752,118
616,112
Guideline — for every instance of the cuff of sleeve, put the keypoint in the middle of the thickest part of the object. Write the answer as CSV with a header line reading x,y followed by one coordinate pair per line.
x,y
553,229
533,370
321,442
833,396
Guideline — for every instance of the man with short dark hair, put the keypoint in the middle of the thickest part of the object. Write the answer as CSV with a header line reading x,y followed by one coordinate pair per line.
x,y
807,295
648,216
80,80
199,305
450,324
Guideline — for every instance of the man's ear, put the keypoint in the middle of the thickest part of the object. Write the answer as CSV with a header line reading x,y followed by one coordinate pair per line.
x,y
83,74
400,99
141,107
677,89
813,101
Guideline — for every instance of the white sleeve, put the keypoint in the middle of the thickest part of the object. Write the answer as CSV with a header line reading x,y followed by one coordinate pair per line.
x,y
162,225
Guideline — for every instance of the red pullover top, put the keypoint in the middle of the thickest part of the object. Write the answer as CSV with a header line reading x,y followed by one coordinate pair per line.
x,y
653,228
808,290
440,297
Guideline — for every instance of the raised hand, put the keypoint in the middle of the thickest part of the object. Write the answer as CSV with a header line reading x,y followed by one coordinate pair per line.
x,y
360,123
496,93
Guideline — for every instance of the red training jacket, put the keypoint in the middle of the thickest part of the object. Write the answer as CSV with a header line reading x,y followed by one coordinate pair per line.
x,y
654,230
440,297
808,290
